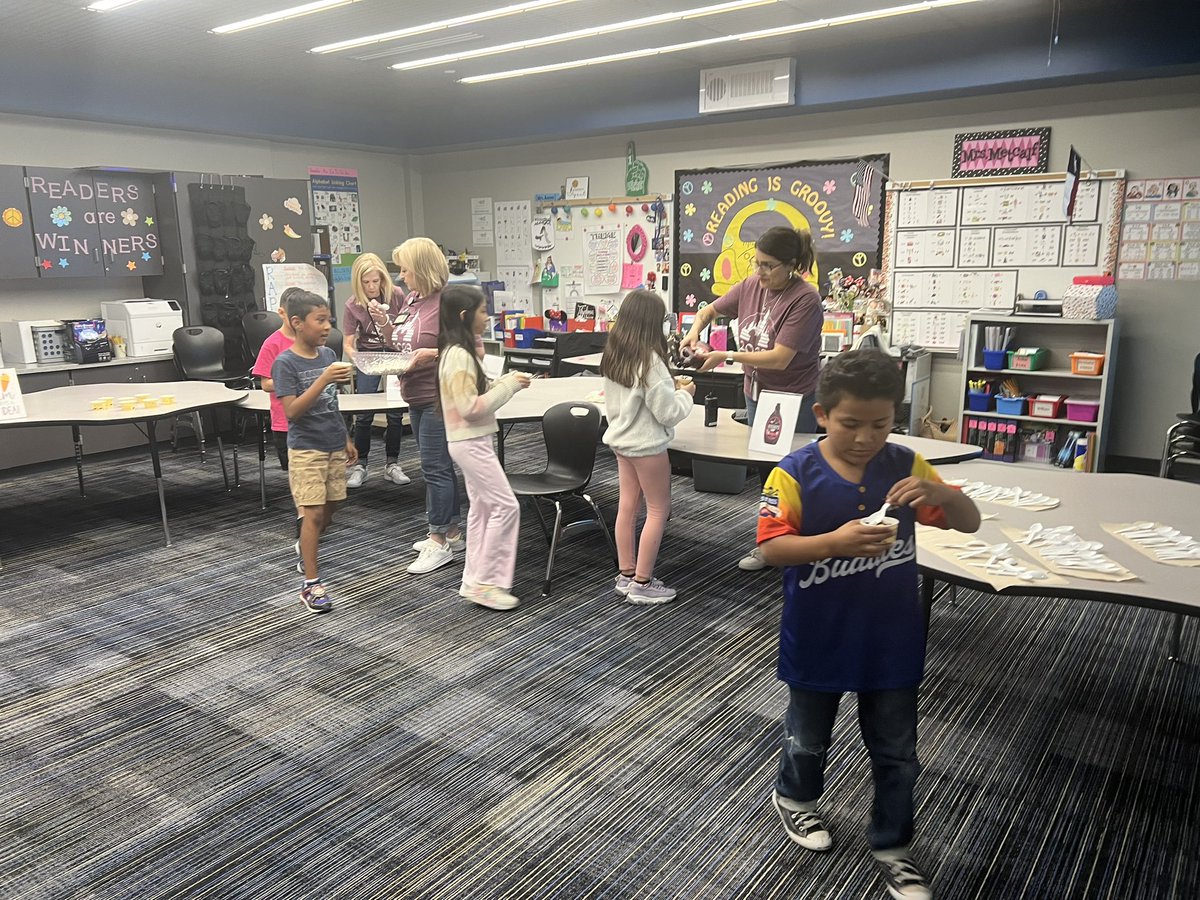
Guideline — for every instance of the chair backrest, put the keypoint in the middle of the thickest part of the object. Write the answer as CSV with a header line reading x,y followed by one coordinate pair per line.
x,y
257,326
1196,386
334,342
575,343
199,352
571,431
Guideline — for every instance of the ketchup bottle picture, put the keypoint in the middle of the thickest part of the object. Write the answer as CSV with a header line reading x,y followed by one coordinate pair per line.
x,y
774,427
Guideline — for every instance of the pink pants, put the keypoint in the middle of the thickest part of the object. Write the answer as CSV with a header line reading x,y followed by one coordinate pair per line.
x,y
494,521
649,477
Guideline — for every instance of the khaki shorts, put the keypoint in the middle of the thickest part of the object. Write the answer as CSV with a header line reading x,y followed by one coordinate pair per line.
x,y
317,477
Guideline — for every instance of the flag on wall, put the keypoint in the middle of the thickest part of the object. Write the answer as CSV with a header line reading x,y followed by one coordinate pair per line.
x,y
863,181
1071,183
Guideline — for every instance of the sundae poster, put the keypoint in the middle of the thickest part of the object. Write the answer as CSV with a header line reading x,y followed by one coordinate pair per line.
x,y
721,212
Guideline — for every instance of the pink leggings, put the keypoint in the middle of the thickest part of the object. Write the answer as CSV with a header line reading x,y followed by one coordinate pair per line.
x,y
648,476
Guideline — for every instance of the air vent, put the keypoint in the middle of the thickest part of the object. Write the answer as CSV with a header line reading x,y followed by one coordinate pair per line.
x,y
751,86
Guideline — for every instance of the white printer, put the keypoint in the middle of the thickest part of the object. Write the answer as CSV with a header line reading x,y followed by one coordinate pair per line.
x,y
146,326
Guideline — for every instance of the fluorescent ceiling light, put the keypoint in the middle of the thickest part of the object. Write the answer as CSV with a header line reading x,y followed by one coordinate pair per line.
x,y
106,5
497,13
813,25
293,12
583,33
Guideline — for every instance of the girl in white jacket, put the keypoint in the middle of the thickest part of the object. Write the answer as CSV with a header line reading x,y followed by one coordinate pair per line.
x,y
643,403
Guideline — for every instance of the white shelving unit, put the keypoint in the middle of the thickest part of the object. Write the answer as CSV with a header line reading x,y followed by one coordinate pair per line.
x,y
1061,337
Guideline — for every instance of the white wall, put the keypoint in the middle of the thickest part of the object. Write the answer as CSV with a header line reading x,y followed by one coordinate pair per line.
x,y
383,194
1150,128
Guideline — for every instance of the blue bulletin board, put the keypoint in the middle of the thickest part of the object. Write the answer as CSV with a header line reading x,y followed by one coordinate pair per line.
x,y
719,213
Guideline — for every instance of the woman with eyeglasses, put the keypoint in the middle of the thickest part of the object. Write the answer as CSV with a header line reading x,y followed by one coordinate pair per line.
x,y
779,317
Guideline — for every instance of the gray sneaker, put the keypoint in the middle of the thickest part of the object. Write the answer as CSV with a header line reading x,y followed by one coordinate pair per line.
x,y
647,594
805,828
356,476
621,584
752,561
393,473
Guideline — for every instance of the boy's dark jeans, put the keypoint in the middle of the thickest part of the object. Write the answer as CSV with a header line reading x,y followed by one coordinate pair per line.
x,y
888,722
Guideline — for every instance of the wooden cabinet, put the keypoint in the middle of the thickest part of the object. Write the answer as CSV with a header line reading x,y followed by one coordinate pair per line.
x,y
93,223
1060,338
18,259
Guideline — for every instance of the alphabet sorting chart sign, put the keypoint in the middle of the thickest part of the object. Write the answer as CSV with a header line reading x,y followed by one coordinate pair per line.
x,y
720,213
93,223
954,247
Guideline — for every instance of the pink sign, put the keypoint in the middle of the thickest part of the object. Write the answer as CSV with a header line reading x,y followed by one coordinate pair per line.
x,y
1026,150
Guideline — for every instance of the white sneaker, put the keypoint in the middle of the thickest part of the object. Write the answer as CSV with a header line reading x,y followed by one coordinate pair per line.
x,y
356,476
454,543
431,558
493,597
752,561
393,473
468,591
299,558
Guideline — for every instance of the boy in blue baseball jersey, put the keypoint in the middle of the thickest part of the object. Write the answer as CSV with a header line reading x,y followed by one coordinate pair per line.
x,y
852,617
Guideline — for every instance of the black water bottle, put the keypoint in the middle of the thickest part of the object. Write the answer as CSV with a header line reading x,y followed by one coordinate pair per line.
x,y
710,411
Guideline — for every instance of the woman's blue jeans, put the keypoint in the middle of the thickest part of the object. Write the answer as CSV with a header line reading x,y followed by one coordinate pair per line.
x,y
370,384
888,723
441,482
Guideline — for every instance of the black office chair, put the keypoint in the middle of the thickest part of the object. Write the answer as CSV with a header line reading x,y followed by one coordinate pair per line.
x,y
575,343
1183,437
257,326
199,352
334,342
570,431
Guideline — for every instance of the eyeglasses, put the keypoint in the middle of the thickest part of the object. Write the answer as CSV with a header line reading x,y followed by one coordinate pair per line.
x,y
766,266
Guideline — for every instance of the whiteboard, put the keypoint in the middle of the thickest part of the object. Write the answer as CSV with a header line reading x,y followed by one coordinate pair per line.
x,y
584,248
950,248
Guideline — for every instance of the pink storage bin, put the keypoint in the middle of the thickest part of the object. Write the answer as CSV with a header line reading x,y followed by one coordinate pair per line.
x,y
1083,410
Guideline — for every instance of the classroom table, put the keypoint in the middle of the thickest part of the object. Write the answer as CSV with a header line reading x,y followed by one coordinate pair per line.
x,y
1087,500
259,403
592,361
72,406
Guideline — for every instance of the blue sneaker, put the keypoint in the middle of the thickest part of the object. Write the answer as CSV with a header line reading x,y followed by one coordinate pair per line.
x,y
315,599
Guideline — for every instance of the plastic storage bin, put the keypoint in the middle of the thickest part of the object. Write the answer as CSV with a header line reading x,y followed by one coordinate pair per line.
x,y
1027,362
977,401
1011,406
1046,406
1087,363
1083,410
994,359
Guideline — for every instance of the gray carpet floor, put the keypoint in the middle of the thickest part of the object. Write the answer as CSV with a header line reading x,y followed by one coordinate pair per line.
x,y
173,724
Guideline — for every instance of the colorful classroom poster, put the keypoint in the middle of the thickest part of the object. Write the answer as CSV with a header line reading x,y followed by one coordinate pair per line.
x,y
720,213
335,204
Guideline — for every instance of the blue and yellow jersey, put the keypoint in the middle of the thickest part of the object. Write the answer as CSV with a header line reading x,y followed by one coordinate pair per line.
x,y
849,623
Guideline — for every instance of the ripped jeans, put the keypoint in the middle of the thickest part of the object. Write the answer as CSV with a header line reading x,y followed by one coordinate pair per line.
x,y
888,723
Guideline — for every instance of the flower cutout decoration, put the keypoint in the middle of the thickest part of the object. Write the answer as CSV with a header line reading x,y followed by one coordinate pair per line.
x,y
706,187
60,216
266,222
129,217
688,234
772,203
690,300
705,274
690,209
830,186
687,187
846,236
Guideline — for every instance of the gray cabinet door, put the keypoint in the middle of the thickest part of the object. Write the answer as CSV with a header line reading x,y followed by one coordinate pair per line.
x,y
62,204
128,219
17,256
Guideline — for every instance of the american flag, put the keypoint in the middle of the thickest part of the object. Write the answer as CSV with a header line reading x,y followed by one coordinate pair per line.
x,y
863,180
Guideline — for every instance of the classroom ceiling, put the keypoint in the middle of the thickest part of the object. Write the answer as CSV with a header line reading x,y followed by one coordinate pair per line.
x,y
157,63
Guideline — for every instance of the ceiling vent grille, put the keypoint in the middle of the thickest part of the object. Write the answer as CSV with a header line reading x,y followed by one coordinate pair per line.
x,y
751,86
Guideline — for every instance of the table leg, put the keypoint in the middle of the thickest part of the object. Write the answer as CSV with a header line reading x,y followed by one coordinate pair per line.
x,y
500,444
78,457
162,500
1176,633
263,421
927,587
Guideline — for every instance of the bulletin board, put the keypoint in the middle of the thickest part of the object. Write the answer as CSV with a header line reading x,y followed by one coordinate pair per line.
x,y
599,250
951,247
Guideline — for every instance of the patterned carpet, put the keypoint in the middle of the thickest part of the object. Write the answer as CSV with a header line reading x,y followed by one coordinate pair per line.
x,y
174,725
